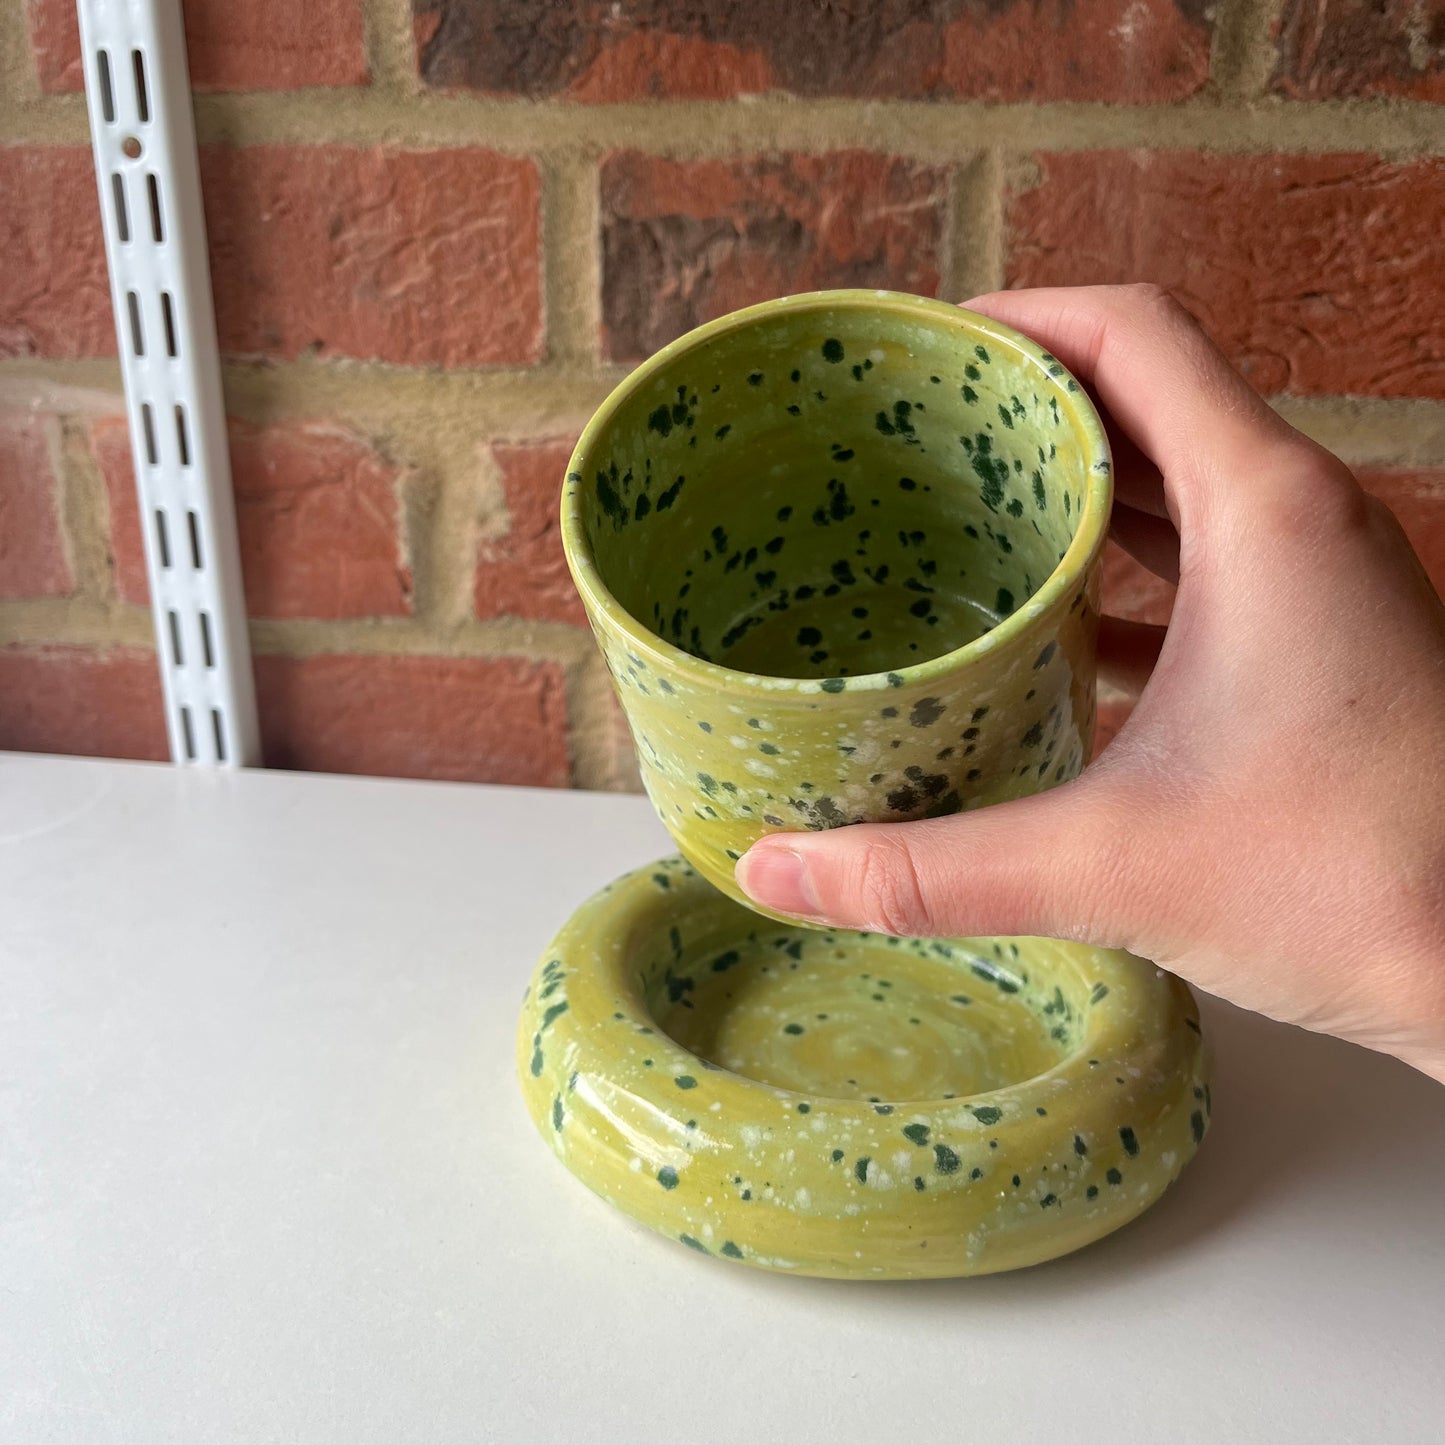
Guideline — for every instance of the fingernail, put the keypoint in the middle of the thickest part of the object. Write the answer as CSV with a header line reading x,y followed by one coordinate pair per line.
x,y
778,878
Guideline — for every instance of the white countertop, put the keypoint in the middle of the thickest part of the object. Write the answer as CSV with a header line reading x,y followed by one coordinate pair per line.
x,y
264,1175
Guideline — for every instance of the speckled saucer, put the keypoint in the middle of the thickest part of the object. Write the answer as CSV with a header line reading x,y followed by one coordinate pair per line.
x,y
855,1105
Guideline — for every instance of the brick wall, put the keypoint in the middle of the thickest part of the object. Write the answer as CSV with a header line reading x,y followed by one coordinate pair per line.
x,y
441,231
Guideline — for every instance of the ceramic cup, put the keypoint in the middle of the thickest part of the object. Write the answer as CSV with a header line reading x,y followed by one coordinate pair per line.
x,y
841,553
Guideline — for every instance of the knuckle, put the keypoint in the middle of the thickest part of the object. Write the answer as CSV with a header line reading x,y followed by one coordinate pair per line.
x,y
1152,297
890,890
1311,494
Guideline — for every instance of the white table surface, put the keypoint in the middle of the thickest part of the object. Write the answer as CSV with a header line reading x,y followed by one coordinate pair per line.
x,y
264,1175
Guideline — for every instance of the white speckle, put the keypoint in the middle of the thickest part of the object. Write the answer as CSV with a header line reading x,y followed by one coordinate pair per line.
x,y
759,769
715,1107
1169,1159
877,356
803,1199
880,293
1128,27
902,1159
751,1135
851,1209
635,1165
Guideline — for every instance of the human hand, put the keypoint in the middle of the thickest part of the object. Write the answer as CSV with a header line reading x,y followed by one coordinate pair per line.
x,y
1270,822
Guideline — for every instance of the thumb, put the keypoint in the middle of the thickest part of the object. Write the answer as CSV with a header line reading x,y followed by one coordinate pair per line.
x,y
1080,862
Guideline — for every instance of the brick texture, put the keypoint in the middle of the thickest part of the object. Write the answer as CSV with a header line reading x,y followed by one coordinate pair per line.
x,y
1319,274
256,45
80,700
523,573
317,509
1334,48
686,241
32,556
588,50
350,276
464,719
55,299
417,257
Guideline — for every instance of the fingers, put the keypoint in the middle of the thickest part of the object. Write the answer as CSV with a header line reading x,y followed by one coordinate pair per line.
x,y
1128,652
1166,384
1150,541
1073,863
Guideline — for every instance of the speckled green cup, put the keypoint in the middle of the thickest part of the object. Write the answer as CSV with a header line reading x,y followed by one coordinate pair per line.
x,y
841,553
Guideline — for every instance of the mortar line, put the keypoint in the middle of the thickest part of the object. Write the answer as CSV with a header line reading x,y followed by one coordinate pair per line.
x,y
74,622
390,46
388,637
935,131
977,240
84,512
465,491
1243,52
19,83
571,261
418,408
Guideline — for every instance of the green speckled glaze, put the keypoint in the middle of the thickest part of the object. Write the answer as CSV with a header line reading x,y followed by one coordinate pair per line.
x,y
855,1105
841,553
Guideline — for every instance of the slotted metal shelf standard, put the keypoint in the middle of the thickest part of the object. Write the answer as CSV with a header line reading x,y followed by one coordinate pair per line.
x,y
146,166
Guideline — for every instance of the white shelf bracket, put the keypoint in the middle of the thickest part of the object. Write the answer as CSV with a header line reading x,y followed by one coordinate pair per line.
x,y
138,93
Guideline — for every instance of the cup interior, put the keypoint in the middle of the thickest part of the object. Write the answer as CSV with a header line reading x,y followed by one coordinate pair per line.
x,y
834,490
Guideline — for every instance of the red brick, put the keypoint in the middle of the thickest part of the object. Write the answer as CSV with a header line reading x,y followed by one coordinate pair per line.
x,y
1417,498
416,257
32,556
686,241
104,704
318,514
523,573
258,45
56,298
1318,274
1121,50
1334,48
1132,591
478,720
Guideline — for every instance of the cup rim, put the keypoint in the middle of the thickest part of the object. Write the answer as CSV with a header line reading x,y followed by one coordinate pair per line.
x,y
1088,539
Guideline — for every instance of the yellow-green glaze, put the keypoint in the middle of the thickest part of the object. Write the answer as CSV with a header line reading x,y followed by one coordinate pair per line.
x,y
841,553
855,1105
